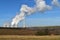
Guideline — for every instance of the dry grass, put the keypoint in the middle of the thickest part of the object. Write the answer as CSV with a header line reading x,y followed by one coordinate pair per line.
x,y
17,37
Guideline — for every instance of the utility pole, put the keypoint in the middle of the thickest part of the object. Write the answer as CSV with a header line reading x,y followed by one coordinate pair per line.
x,y
24,22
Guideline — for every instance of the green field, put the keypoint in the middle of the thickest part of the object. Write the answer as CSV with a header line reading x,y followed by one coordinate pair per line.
x,y
17,37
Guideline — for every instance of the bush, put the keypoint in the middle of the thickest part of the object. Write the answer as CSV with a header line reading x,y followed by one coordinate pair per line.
x,y
45,32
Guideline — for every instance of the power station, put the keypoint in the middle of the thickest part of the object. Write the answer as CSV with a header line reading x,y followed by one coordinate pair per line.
x,y
25,10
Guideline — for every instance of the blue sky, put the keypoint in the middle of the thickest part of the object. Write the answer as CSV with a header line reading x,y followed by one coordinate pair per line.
x,y
9,8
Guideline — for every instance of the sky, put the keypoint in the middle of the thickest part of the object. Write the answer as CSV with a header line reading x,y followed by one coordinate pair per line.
x,y
9,9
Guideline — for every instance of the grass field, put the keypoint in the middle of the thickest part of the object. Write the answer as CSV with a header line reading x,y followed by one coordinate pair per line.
x,y
17,37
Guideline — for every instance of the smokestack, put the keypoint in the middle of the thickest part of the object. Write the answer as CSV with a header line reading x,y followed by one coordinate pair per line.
x,y
6,24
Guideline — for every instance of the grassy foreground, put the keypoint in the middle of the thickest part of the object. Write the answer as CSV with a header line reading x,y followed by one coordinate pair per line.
x,y
17,37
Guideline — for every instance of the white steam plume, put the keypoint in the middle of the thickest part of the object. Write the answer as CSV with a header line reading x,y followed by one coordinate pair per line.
x,y
17,18
26,10
42,6
56,3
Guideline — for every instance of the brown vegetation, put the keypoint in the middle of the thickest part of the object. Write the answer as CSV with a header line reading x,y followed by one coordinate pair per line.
x,y
31,31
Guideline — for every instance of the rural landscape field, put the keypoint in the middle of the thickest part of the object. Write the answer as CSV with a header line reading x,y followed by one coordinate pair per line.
x,y
32,33
29,19
17,37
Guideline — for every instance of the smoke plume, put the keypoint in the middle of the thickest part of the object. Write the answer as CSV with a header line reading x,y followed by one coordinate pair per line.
x,y
42,6
56,3
26,10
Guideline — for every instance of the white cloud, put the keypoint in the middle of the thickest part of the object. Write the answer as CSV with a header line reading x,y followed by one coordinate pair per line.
x,y
42,6
56,3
